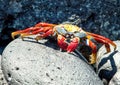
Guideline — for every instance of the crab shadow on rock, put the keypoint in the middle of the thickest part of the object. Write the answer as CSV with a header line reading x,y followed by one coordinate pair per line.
x,y
50,42
81,51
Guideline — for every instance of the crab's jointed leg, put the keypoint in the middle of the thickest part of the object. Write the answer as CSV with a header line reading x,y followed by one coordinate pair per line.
x,y
44,29
44,33
94,51
103,40
43,24
28,30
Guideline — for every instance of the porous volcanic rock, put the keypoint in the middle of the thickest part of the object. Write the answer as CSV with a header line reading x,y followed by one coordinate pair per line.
x,y
2,78
30,63
116,79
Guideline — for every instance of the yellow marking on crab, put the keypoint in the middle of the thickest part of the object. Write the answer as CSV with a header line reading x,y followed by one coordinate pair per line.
x,y
69,27
89,37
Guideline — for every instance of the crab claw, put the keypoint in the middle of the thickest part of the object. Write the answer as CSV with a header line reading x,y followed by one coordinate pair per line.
x,y
23,32
14,34
73,44
61,42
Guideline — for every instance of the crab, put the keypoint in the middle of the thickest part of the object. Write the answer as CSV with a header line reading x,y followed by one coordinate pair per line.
x,y
68,37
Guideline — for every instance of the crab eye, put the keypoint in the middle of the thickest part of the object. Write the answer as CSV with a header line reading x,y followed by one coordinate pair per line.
x,y
67,35
72,36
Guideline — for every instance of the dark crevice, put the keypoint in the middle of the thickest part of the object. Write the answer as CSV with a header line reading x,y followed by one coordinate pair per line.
x,y
9,75
47,75
17,68
59,68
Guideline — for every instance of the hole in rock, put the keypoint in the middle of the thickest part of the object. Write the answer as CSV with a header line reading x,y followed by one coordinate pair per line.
x,y
29,49
51,79
17,68
10,51
9,75
1,79
59,68
47,75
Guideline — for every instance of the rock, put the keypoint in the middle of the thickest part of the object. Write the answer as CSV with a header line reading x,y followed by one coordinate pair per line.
x,y
2,78
108,64
30,63
102,50
116,79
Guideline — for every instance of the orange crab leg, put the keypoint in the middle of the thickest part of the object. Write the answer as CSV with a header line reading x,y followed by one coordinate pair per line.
x,y
43,31
107,46
24,31
104,40
73,44
29,31
94,51
44,34
43,24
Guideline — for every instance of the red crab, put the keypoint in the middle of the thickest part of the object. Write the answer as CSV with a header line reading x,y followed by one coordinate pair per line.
x,y
68,37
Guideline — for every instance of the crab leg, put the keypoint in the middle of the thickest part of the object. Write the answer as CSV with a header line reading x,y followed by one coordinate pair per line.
x,y
107,46
23,31
43,32
43,24
94,51
28,31
103,40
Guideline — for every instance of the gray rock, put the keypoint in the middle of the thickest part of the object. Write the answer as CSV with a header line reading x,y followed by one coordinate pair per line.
x,y
116,79
108,64
102,50
30,63
2,78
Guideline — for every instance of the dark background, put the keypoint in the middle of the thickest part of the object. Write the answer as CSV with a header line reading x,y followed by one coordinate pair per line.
x,y
97,16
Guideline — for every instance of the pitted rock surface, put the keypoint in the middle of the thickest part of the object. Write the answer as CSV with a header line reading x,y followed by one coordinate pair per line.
x,y
30,63
108,64
116,79
2,78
